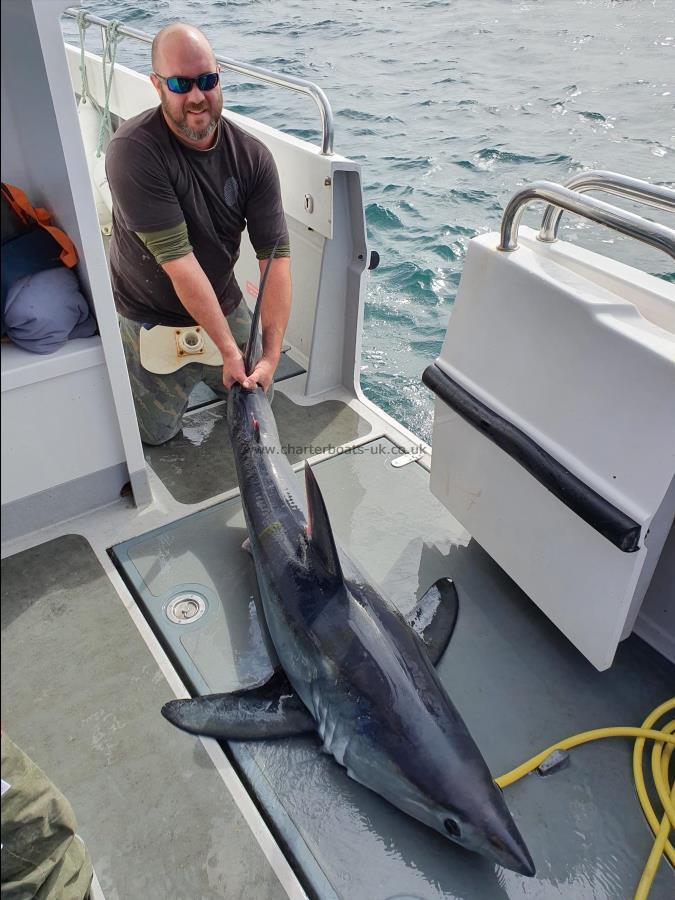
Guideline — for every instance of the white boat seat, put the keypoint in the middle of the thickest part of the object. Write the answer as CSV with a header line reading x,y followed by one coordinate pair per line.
x,y
554,429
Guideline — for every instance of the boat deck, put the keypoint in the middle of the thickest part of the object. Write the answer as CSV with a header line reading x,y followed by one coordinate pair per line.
x,y
79,691
89,658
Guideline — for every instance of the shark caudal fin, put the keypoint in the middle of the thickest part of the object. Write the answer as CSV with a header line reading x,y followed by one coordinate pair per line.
x,y
319,531
251,357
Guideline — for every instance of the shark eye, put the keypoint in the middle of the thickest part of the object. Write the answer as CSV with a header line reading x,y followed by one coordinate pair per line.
x,y
452,828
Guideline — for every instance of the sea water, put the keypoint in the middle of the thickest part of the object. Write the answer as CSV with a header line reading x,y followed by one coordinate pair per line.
x,y
449,106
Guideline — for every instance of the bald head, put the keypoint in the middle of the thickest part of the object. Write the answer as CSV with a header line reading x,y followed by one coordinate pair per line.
x,y
180,47
192,108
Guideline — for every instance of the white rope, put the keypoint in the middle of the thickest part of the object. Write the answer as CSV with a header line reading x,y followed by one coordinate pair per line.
x,y
112,39
82,25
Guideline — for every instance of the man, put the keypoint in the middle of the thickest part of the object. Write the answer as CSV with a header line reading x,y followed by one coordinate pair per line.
x,y
185,182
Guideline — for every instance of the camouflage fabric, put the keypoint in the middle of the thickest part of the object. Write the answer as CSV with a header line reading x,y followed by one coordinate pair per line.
x,y
161,400
42,857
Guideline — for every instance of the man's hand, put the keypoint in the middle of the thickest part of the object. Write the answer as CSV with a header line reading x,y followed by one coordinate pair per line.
x,y
263,374
234,371
195,292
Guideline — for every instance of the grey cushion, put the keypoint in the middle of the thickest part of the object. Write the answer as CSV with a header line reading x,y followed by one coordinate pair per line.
x,y
44,310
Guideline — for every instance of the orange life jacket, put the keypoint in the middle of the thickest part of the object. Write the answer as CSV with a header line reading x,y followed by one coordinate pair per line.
x,y
31,215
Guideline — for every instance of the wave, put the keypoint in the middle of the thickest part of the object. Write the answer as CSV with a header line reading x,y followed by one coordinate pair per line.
x,y
430,349
592,116
402,189
378,216
244,88
243,110
403,162
412,281
444,252
488,156
380,313
462,230
360,115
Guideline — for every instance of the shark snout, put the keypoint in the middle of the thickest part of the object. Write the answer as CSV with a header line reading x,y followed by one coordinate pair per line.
x,y
500,841
510,852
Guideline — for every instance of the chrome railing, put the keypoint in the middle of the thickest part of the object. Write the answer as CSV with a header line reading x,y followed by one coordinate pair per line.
x,y
621,220
607,183
290,82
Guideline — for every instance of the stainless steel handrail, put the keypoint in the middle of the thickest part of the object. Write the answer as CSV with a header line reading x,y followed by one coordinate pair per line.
x,y
300,85
609,183
596,210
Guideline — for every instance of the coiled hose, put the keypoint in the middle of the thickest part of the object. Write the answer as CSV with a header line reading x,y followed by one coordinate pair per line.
x,y
662,750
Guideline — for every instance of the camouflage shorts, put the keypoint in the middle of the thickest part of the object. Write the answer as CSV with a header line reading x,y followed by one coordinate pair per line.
x,y
161,400
42,856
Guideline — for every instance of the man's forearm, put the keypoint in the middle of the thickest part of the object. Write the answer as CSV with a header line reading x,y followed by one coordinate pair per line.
x,y
195,292
276,306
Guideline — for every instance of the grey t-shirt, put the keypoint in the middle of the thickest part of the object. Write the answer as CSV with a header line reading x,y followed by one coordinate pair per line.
x,y
157,182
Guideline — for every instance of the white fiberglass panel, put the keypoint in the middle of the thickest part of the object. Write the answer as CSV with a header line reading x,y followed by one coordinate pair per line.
x,y
585,375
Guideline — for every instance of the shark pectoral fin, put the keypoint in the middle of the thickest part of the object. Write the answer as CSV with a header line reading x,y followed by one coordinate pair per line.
x,y
435,616
264,712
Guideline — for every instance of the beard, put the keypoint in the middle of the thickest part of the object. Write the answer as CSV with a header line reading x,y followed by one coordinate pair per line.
x,y
196,134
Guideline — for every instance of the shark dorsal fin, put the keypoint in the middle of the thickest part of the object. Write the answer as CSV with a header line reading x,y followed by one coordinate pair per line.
x,y
319,531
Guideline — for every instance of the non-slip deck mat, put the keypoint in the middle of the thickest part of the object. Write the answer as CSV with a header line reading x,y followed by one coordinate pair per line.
x,y
197,463
202,394
81,695
519,684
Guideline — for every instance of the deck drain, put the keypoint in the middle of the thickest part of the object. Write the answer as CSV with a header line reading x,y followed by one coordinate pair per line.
x,y
185,608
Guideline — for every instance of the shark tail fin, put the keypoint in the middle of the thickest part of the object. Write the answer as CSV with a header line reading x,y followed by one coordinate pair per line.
x,y
319,531
251,357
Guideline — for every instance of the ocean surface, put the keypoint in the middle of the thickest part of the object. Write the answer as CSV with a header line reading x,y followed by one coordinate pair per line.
x,y
449,106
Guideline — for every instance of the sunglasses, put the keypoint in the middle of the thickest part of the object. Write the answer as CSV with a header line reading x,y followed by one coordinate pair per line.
x,y
177,84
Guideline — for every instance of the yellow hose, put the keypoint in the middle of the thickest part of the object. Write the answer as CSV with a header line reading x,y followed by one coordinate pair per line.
x,y
664,743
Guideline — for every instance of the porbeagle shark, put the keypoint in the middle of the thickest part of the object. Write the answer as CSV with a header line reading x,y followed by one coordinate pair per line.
x,y
353,669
